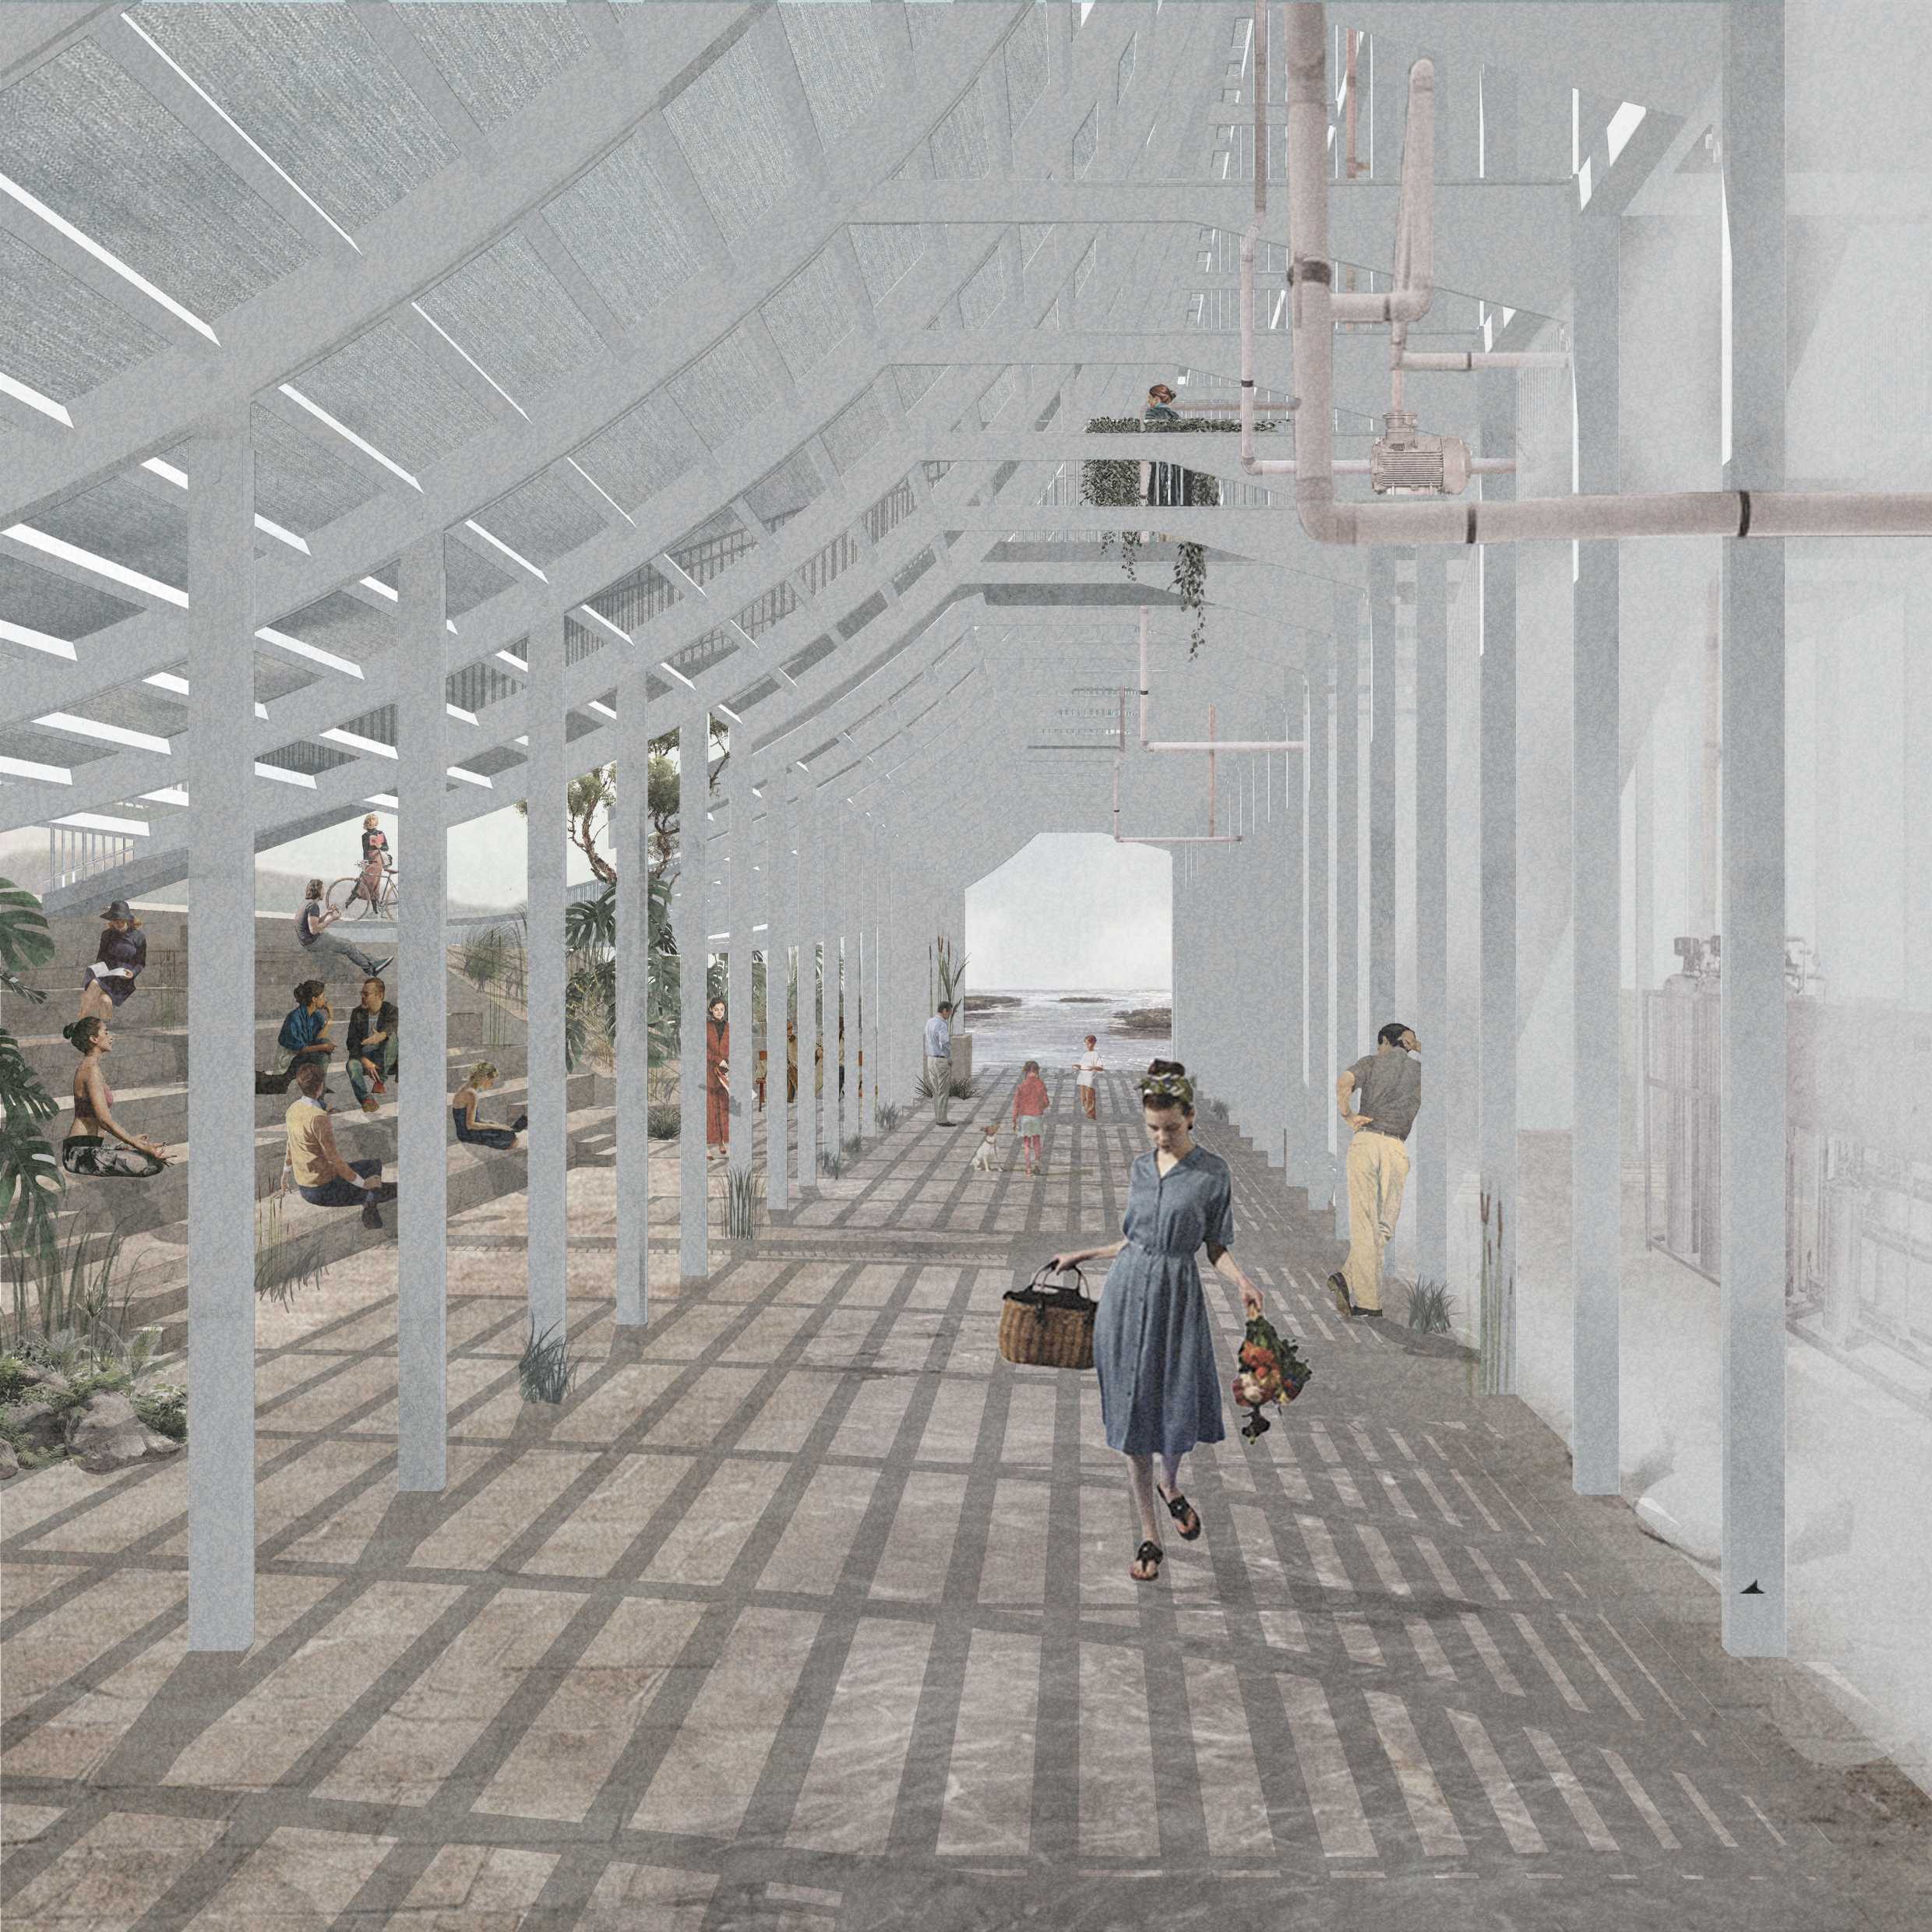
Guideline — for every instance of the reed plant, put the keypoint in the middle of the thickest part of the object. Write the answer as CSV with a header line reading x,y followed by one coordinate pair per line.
x,y
742,1204
284,1264
544,1372
1430,1302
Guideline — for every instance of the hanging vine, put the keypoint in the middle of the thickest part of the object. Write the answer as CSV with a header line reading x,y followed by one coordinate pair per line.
x,y
1115,484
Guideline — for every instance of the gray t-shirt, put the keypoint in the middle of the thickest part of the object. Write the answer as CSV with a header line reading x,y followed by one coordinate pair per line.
x,y
1388,1088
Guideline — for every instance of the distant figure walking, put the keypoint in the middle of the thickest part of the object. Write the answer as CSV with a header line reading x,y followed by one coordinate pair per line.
x,y
1031,1101
120,961
1089,1069
939,1060
1379,1097
1160,1392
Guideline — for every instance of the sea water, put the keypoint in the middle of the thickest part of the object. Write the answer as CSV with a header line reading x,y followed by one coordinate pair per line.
x,y
1050,1024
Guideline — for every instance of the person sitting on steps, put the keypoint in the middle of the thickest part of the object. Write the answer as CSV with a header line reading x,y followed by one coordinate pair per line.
x,y
370,1050
314,1166
88,1149
304,1034
470,1130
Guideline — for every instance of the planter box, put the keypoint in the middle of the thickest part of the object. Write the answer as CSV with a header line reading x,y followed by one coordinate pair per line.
x,y
962,1056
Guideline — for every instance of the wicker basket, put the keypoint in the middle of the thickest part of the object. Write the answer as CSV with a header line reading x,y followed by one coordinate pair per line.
x,y
1045,1328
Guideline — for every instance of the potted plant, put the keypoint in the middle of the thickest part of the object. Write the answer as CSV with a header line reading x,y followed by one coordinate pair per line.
x,y
952,977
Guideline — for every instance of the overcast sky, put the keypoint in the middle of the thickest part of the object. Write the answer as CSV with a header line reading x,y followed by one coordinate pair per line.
x,y
1072,910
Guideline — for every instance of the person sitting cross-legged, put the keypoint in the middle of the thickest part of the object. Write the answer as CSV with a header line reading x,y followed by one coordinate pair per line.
x,y
316,1166
472,1131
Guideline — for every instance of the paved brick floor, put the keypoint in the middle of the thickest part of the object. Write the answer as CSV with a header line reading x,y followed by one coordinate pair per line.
x,y
806,1612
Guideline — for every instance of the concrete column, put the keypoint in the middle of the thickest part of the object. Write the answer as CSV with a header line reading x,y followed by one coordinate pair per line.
x,y
777,897
547,868
1291,882
1349,1045
1384,612
868,1003
811,930
631,833
1323,1064
832,922
421,992
1752,698
1498,951
691,900
738,882
221,1041
1430,1181
1596,843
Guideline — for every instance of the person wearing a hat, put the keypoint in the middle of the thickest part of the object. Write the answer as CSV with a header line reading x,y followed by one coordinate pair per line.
x,y
116,966
1380,1097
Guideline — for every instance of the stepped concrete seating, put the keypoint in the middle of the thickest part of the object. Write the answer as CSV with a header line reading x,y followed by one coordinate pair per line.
x,y
148,1066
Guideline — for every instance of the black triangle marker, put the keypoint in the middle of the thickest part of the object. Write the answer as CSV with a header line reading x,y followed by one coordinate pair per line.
x,y
1751,1589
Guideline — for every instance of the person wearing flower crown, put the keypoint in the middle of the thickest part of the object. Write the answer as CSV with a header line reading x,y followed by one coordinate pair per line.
x,y
1160,1393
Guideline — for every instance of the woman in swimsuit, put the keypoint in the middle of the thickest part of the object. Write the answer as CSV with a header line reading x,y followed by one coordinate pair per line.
x,y
90,1148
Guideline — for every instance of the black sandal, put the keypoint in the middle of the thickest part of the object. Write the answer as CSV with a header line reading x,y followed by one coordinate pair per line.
x,y
1180,1509
1148,1553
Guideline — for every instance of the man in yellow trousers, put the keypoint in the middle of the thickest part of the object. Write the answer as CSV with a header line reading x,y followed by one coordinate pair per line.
x,y
1379,1097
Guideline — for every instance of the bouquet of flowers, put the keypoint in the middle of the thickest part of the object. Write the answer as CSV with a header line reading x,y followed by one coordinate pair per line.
x,y
1270,1371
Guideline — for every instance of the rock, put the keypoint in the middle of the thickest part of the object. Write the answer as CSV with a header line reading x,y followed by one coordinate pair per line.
x,y
9,1462
41,1426
158,1445
107,1434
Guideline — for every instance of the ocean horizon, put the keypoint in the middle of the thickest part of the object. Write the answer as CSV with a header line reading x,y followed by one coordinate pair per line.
x,y
1050,1025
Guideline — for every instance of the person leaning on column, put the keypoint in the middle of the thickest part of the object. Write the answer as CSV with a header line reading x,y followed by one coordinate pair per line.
x,y
1379,1097
939,1060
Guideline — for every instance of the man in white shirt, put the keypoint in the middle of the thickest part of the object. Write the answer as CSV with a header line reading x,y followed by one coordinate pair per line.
x,y
1088,1065
939,1060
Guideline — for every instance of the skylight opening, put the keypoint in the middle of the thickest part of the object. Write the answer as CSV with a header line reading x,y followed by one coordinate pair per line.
x,y
106,258
349,436
12,386
1625,122
215,106
470,522
468,777
36,641
598,705
105,734
26,768
100,566
168,474
471,360
314,652
388,800
335,736
515,662
168,681
96,822
601,490
584,611
724,710
1583,185
168,794
277,775
461,715
671,670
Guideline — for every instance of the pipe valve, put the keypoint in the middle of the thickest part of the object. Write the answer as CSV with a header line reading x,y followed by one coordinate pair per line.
x,y
1403,463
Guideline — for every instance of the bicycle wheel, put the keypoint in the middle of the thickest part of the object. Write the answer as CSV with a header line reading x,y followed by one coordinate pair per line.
x,y
341,896
388,894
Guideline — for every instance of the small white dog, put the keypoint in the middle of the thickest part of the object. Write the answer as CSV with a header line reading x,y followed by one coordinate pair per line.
x,y
982,1155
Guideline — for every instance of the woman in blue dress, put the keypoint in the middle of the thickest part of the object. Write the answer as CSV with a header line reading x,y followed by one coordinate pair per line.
x,y
1160,1392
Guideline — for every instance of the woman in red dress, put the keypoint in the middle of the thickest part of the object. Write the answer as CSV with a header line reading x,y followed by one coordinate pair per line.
x,y
717,1086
